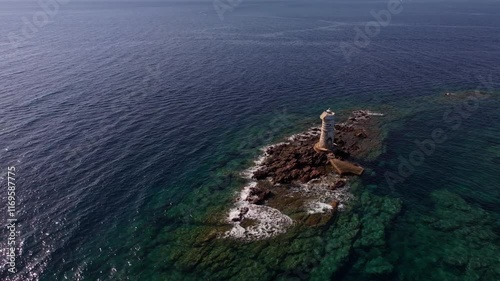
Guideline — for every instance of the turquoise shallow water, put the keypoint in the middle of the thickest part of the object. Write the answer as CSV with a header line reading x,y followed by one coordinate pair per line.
x,y
129,124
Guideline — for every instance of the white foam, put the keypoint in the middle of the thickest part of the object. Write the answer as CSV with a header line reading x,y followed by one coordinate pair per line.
x,y
245,192
268,222
371,113
313,131
318,208
320,191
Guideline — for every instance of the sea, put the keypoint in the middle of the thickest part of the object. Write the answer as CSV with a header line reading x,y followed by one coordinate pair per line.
x,y
125,126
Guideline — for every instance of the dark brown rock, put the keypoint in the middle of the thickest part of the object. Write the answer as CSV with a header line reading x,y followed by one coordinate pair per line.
x,y
339,184
260,174
361,135
258,195
296,160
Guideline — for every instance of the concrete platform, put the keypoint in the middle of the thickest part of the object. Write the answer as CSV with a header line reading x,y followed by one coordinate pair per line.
x,y
343,167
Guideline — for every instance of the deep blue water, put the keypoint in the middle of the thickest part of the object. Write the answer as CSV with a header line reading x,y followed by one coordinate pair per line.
x,y
114,110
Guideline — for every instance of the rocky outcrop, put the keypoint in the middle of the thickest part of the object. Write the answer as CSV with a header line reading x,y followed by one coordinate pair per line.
x,y
278,196
258,195
296,160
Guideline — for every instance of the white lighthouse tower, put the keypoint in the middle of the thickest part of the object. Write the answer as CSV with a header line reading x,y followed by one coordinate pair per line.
x,y
327,131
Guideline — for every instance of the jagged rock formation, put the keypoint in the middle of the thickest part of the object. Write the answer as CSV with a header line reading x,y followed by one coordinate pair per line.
x,y
297,160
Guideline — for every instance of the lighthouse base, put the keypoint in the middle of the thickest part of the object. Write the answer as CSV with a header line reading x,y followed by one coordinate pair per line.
x,y
320,149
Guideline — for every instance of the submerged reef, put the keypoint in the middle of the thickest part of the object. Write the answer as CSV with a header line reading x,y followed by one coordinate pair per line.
x,y
461,241
355,238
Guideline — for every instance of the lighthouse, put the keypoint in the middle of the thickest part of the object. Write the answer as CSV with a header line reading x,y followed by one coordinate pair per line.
x,y
327,131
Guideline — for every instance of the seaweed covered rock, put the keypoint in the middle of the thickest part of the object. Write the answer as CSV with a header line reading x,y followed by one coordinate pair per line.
x,y
457,240
365,235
